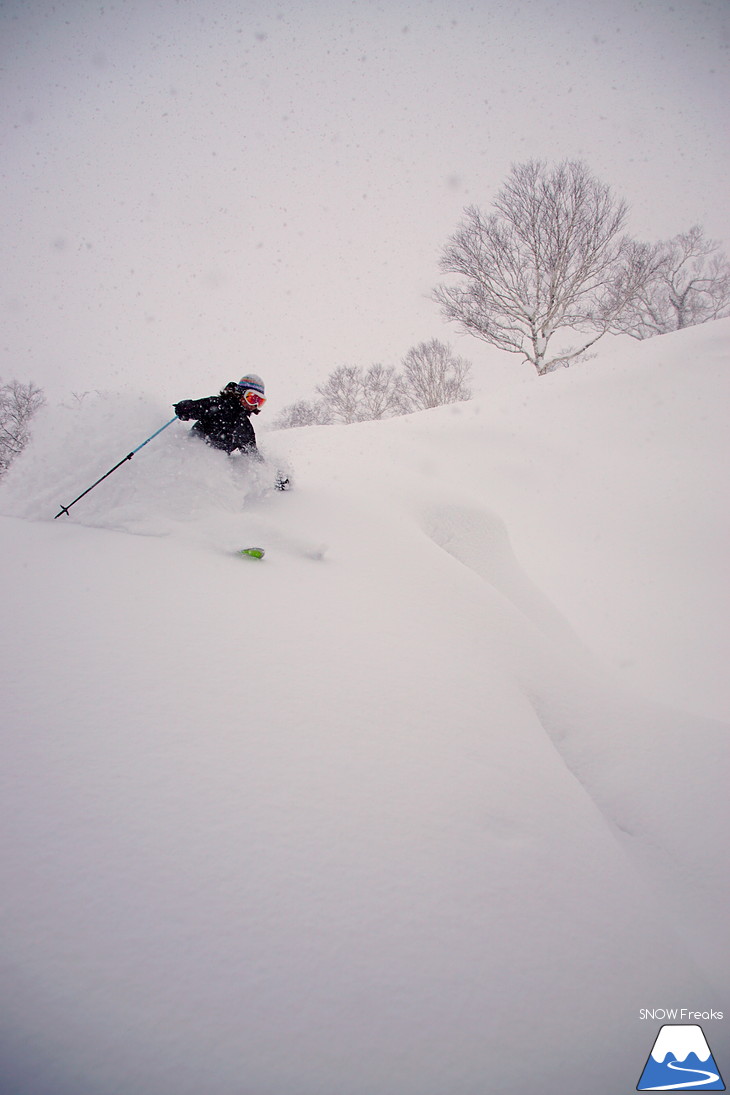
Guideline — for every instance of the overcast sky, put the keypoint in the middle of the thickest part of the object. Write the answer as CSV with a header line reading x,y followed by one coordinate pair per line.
x,y
192,189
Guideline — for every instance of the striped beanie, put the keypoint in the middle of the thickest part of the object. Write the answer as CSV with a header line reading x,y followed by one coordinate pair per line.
x,y
252,383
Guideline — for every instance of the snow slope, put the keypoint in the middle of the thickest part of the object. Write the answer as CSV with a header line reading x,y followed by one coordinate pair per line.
x,y
431,800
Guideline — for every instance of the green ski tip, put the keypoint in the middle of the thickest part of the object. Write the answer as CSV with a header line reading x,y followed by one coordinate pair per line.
x,y
251,553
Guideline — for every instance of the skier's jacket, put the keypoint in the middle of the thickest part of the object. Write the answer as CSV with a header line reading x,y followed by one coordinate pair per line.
x,y
222,422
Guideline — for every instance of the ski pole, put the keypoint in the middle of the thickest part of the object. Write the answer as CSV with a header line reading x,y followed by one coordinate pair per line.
x,y
65,509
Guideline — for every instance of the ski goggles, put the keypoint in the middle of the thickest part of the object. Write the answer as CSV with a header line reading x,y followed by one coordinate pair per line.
x,y
253,398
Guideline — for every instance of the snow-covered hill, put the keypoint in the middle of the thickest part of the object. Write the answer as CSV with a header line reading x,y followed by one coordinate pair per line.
x,y
430,801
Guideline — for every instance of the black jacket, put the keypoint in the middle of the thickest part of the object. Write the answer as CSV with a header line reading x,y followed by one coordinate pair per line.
x,y
221,422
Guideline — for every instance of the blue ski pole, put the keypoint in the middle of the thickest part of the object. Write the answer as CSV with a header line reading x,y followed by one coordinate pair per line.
x,y
65,509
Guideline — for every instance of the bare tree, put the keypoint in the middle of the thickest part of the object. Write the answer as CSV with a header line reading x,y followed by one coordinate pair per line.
x,y
342,392
433,375
352,394
551,256
382,394
689,284
303,413
18,403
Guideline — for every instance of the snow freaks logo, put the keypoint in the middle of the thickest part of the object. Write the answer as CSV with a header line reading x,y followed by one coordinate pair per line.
x,y
680,1060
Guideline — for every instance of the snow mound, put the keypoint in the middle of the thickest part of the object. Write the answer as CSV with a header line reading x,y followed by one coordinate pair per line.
x,y
380,822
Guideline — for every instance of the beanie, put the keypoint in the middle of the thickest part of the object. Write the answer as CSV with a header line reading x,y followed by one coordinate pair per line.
x,y
252,383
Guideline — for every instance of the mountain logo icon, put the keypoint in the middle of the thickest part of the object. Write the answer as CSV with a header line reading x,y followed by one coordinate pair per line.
x,y
680,1060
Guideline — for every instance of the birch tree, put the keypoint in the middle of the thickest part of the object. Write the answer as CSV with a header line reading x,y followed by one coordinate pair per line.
x,y
689,283
382,395
552,255
18,403
303,413
433,375
342,394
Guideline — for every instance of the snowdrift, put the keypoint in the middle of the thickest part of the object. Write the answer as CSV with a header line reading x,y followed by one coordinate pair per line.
x,y
407,807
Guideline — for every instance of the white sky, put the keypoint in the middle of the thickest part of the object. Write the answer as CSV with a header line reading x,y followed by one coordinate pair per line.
x,y
192,189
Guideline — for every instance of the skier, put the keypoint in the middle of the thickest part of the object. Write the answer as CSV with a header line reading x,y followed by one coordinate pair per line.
x,y
224,421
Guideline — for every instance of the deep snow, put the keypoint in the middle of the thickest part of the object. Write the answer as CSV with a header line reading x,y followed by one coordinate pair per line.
x,y
430,800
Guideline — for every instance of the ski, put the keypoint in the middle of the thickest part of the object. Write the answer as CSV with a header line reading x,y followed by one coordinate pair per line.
x,y
251,553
